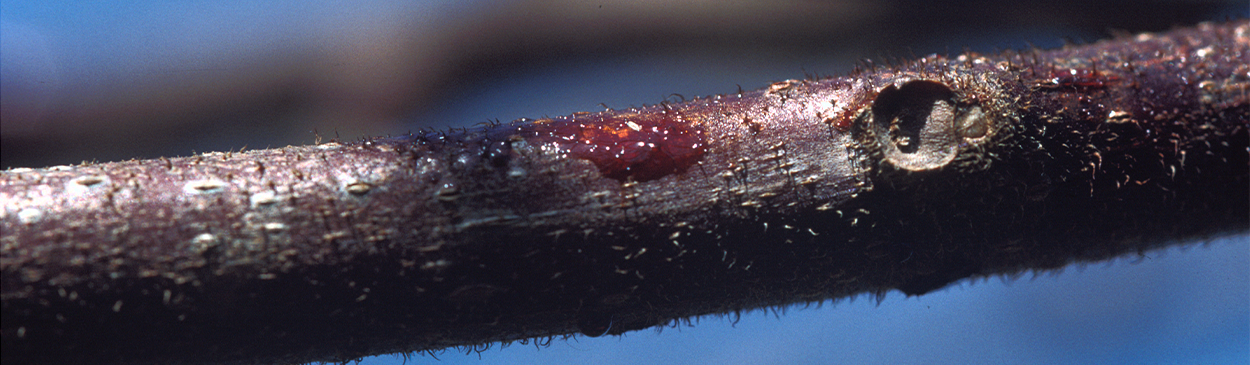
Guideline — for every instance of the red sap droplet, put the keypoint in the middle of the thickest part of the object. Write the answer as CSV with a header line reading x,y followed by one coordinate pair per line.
x,y
843,124
1078,79
642,146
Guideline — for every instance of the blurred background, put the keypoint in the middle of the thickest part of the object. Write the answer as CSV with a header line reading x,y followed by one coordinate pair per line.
x,y
106,81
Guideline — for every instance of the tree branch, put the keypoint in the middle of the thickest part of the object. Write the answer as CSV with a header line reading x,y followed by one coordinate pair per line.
x,y
903,177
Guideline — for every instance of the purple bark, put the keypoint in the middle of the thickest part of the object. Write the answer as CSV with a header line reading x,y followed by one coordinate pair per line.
x,y
904,177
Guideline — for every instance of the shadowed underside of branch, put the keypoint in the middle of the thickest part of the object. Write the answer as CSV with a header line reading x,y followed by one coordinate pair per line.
x,y
905,177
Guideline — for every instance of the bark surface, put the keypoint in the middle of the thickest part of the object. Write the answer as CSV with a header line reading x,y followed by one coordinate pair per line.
x,y
904,177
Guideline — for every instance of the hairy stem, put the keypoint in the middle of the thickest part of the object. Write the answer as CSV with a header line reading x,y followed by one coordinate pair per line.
x,y
904,177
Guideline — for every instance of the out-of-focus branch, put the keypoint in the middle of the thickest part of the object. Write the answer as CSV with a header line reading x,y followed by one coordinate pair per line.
x,y
901,177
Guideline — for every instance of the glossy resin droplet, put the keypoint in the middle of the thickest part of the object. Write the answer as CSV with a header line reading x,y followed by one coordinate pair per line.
x,y
625,145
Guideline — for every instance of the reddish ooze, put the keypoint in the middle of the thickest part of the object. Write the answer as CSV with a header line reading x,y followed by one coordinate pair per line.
x,y
1077,79
625,145
843,124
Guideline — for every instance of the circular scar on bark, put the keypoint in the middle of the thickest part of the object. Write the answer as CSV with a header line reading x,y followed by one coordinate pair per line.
x,y
919,126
